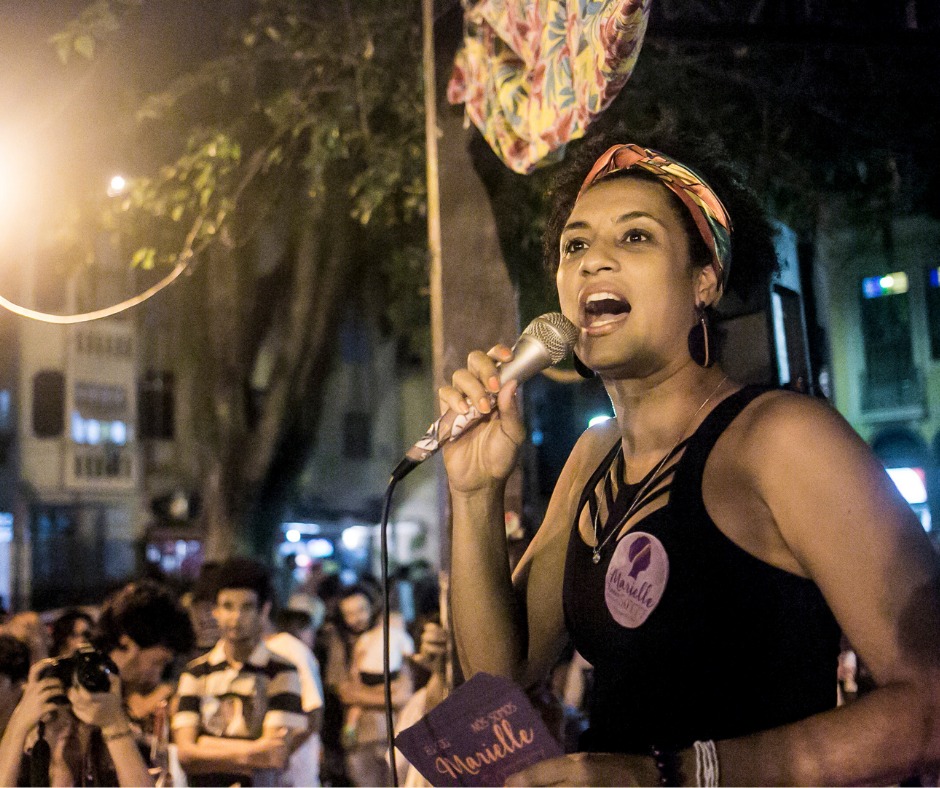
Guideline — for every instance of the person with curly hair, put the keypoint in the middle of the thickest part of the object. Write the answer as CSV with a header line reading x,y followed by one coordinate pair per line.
x,y
711,534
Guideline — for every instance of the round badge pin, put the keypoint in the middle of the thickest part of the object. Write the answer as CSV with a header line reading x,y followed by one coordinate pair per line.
x,y
636,579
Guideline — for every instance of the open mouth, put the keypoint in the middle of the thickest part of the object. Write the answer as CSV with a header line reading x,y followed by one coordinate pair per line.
x,y
602,308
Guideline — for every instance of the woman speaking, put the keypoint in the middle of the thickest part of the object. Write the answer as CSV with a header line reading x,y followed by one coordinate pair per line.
x,y
705,549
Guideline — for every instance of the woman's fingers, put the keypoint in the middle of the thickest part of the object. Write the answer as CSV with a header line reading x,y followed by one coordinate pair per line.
x,y
474,390
510,418
452,399
502,353
506,399
475,383
483,365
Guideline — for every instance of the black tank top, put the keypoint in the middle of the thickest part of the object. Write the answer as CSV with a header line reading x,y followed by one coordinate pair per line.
x,y
734,644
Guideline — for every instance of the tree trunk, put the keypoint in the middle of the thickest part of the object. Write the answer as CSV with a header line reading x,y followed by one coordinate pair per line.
x,y
292,407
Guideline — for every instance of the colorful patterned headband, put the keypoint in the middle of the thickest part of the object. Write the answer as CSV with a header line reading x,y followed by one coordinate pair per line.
x,y
710,216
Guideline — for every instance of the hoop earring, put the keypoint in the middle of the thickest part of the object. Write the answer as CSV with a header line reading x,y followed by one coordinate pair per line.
x,y
581,368
702,339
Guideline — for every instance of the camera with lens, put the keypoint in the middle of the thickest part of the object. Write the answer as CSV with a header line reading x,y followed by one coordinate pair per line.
x,y
87,667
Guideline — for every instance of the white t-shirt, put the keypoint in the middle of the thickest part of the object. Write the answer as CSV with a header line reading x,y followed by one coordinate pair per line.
x,y
303,768
368,653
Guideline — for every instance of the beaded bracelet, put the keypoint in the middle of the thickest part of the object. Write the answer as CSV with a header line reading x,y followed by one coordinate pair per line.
x,y
668,762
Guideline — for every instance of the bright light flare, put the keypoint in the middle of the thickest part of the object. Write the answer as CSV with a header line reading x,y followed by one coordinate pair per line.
x,y
16,181
355,537
117,185
320,548
910,483
20,187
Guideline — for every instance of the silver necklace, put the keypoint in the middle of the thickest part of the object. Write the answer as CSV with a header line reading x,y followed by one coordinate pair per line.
x,y
634,504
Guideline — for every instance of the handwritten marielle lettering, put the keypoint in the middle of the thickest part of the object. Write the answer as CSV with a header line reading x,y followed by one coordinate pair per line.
x,y
641,594
506,742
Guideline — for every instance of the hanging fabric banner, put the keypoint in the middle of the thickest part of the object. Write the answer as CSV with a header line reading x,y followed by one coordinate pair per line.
x,y
533,74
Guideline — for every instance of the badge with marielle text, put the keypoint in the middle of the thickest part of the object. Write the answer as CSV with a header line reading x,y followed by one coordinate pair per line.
x,y
636,578
482,733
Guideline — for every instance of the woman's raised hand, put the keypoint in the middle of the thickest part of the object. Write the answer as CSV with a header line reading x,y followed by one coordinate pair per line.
x,y
487,454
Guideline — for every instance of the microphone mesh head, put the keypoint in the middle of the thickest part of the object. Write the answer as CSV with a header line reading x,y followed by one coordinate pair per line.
x,y
556,332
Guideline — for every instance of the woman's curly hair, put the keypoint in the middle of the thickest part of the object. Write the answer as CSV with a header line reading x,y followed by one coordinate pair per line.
x,y
753,257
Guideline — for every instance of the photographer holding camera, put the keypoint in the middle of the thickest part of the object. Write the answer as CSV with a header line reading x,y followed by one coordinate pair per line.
x,y
77,703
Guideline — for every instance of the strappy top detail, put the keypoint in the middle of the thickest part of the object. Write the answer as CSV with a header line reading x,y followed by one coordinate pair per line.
x,y
608,497
732,645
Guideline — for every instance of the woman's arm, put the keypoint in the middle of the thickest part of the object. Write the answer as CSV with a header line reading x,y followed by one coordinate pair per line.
x,y
852,533
508,626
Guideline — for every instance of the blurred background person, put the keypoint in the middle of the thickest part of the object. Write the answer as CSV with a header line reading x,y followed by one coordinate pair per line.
x,y
69,631
47,763
200,602
92,736
364,748
238,707
14,668
28,627
292,640
367,665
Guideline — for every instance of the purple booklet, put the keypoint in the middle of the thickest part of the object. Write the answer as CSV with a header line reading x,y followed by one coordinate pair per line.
x,y
483,732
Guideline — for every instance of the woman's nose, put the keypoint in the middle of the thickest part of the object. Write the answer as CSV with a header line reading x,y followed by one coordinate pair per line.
x,y
596,259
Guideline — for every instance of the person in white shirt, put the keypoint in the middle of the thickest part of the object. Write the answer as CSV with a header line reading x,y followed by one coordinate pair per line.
x,y
368,661
365,746
293,641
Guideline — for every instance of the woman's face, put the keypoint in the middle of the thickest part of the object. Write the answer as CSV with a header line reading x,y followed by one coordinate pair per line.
x,y
626,280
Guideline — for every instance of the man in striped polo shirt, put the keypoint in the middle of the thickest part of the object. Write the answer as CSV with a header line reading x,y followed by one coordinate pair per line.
x,y
239,704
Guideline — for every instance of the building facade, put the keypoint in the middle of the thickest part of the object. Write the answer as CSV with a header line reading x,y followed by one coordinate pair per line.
x,y
879,295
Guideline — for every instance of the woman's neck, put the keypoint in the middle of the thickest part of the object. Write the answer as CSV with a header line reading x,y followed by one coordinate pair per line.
x,y
654,413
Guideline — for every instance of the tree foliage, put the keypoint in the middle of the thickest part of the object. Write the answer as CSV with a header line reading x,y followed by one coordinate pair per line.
x,y
298,93
304,123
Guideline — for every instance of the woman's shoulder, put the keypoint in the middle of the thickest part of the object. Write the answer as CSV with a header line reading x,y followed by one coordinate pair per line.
x,y
779,427
593,446
775,409
599,438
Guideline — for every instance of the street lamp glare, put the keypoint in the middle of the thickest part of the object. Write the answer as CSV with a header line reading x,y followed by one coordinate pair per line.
x,y
117,185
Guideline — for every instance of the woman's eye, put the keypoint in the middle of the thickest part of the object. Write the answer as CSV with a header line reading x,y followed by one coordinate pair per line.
x,y
573,246
634,236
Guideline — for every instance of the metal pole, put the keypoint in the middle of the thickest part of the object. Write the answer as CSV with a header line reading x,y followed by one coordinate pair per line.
x,y
435,269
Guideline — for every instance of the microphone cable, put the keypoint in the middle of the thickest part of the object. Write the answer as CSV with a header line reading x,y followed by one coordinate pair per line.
x,y
386,626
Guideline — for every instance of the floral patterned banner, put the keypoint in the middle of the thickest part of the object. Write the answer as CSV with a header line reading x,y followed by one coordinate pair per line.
x,y
533,74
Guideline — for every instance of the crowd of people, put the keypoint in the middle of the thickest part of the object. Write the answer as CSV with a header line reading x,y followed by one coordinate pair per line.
x,y
220,685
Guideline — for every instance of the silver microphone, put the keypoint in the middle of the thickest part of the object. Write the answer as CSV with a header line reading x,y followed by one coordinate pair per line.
x,y
545,342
